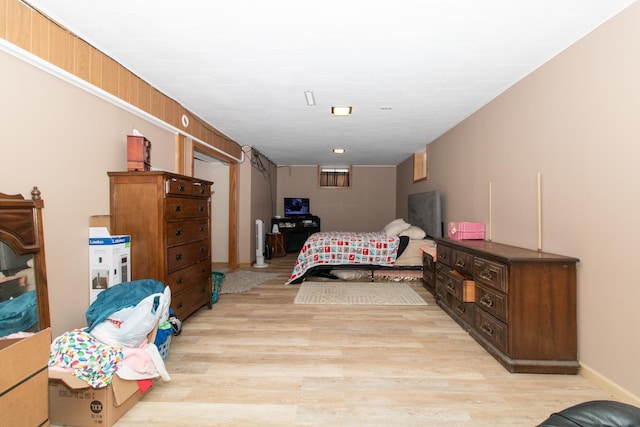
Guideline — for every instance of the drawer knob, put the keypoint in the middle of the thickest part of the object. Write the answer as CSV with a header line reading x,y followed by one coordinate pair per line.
x,y
460,263
202,250
201,208
181,187
486,274
178,232
177,208
449,284
179,281
486,301
487,329
201,228
178,257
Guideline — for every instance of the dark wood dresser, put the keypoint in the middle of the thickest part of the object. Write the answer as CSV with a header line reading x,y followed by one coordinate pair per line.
x,y
168,218
429,272
522,304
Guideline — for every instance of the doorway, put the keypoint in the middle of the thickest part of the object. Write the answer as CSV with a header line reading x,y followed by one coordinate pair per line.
x,y
198,160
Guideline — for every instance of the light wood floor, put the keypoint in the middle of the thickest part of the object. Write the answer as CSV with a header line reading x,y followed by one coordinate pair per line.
x,y
256,359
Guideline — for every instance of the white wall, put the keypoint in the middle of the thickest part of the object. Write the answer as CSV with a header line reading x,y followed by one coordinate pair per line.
x,y
574,120
217,172
64,140
367,206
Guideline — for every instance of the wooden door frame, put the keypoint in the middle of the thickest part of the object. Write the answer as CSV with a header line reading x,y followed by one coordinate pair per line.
x,y
184,165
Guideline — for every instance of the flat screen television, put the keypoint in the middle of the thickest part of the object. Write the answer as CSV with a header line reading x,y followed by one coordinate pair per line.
x,y
296,206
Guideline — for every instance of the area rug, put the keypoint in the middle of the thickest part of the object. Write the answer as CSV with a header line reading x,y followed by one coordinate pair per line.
x,y
369,293
243,280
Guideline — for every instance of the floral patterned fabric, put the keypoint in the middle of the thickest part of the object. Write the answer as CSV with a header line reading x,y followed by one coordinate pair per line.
x,y
90,360
343,247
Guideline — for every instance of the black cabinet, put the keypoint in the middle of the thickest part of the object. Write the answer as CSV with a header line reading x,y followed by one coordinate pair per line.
x,y
296,230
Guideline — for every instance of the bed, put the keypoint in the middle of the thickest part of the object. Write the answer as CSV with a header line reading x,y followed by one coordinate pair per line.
x,y
395,249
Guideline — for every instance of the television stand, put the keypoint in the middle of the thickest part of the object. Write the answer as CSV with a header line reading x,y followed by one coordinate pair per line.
x,y
296,230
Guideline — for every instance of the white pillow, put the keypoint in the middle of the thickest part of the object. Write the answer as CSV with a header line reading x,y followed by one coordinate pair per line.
x,y
414,233
395,227
350,274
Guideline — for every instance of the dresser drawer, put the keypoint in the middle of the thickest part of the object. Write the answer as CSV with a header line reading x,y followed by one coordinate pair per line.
x,y
201,189
184,255
179,186
190,299
491,274
459,286
429,278
466,310
444,254
185,277
491,329
180,232
428,271
463,262
442,294
492,302
450,284
440,269
427,262
187,187
182,208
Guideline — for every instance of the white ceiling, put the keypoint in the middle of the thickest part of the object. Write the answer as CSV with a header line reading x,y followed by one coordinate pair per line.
x,y
410,69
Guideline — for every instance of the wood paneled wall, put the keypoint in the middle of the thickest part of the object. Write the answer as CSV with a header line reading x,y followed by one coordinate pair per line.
x,y
36,33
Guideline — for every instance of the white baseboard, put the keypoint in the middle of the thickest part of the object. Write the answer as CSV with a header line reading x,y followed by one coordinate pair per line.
x,y
618,392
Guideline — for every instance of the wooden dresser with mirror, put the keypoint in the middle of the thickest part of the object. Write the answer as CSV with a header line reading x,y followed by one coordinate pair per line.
x,y
24,312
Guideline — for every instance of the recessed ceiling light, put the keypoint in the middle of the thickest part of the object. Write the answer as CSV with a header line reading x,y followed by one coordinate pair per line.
x,y
339,150
311,100
341,111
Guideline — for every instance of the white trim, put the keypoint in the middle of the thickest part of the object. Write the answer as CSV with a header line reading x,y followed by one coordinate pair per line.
x,y
48,67
608,386
352,166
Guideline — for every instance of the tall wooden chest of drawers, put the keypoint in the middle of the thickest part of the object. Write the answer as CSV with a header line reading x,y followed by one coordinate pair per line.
x,y
524,306
168,218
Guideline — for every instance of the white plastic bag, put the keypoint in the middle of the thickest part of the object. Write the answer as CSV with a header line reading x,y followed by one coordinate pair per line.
x,y
130,326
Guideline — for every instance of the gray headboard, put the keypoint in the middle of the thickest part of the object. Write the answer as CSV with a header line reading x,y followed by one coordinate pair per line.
x,y
425,212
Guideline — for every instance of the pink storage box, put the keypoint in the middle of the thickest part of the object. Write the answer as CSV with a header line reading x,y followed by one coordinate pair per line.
x,y
465,231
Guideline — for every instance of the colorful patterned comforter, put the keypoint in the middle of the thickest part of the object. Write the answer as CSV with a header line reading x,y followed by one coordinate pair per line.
x,y
343,247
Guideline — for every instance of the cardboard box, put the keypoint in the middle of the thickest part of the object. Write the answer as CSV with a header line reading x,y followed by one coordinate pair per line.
x,y
465,231
73,403
109,259
23,380
103,221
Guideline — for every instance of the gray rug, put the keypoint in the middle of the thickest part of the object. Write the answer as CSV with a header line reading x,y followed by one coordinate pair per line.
x,y
243,280
370,293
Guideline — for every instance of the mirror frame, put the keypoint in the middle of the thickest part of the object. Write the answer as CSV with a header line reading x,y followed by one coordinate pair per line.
x,y
21,229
